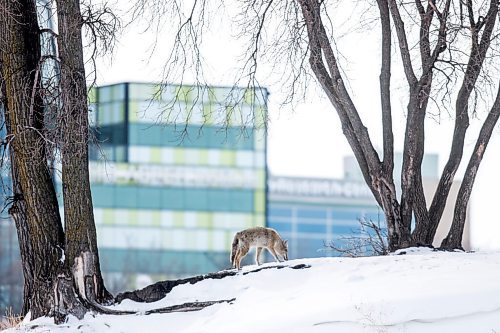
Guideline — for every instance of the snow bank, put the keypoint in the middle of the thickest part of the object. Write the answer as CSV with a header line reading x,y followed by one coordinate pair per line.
x,y
426,291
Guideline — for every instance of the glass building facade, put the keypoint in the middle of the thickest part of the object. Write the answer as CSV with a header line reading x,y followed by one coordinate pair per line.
x,y
175,172
312,213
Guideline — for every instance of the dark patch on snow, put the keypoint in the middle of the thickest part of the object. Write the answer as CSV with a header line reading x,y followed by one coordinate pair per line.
x,y
160,289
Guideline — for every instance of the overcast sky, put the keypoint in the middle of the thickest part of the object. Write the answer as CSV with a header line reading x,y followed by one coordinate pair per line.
x,y
308,140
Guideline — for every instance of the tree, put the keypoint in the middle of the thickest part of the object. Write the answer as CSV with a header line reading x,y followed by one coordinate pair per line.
x,y
42,234
81,239
448,58
61,267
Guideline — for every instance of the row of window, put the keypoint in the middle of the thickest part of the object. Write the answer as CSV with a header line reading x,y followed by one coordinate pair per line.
x,y
279,212
316,228
170,219
130,196
156,92
191,136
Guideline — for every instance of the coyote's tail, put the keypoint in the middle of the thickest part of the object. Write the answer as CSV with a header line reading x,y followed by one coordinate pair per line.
x,y
234,248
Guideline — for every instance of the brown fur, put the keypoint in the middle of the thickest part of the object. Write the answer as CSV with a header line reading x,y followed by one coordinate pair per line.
x,y
260,238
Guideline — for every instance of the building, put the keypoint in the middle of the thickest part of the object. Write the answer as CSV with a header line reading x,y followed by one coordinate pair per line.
x,y
177,170
313,213
169,194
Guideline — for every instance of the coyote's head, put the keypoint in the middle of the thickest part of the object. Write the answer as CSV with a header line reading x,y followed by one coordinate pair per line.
x,y
283,249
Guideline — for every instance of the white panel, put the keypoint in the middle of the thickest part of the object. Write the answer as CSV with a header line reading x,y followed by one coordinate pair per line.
x,y
260,160
138,154
247,115
195,114
190,219
178,239
219,114
149,112
232,221
121,216
145,217
98,216
167,155
192,156
166,218
213,157
219,240
201,237
168,92
244,158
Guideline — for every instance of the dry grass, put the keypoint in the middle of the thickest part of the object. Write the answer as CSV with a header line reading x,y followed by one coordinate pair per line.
x,y
9,320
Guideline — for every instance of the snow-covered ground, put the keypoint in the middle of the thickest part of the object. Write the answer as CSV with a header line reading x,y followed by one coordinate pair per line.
x,y
422,291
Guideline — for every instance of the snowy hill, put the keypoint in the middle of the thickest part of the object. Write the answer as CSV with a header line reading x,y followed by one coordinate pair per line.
x,y
421,291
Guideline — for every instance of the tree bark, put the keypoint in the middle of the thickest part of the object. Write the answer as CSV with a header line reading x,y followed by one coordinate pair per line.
x,y
20,54
454,238
18,212
474,65
81,238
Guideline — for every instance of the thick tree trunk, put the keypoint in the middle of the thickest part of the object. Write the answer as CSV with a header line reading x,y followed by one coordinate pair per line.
x,y
81,238
20,54
454,238
476,60
18,212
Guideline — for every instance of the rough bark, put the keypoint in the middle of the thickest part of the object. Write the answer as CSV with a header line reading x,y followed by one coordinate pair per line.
x,y
20,54
454,238
81,238
476,59
18,211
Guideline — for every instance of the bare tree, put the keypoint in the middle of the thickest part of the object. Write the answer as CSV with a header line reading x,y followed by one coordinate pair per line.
x,y
61,267
81,239
448,59
41,230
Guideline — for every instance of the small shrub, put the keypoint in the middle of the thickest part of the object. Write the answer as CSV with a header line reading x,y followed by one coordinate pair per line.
x,y
9,320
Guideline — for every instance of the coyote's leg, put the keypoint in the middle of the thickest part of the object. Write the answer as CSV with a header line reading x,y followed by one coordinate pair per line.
x,y
273,252
257,255
242,252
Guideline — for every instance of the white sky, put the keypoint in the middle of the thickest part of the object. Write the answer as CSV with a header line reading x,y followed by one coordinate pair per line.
x,y
308,140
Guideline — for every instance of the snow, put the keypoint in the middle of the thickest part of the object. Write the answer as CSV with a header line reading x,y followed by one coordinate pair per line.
x,y
419,291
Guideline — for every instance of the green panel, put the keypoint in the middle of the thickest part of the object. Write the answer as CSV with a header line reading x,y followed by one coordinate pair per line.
x,y
172,198
177,199
242,201
259,201
111,113
196,199
103,195
112,93
191,136
92,95
112,134
149,198
218,198
126,197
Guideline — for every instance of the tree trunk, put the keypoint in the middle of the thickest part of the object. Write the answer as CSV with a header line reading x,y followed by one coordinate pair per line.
x,y
454,238
20,54
81,238
18,211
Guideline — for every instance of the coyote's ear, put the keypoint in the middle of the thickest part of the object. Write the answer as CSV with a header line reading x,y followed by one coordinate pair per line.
x,y
285,242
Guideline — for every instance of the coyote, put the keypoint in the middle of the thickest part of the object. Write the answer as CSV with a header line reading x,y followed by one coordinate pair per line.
x,y
258,237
